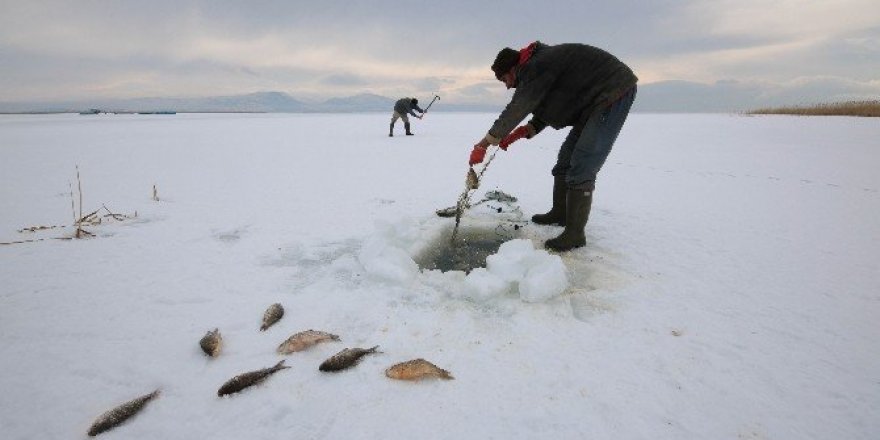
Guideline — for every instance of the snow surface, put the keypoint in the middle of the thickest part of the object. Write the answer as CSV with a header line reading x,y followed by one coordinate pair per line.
x,y
730,287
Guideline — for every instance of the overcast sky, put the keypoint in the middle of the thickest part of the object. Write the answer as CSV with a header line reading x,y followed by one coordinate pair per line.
x,y
317,49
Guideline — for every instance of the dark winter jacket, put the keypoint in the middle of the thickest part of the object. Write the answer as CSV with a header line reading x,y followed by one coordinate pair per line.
x,y
405,105
561,86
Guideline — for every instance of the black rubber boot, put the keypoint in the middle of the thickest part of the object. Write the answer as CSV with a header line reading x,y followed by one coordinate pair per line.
x,y
391,130
406,126
577,212
556,216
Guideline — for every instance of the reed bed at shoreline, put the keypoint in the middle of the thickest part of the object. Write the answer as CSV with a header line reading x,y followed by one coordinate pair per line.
x,y
849,108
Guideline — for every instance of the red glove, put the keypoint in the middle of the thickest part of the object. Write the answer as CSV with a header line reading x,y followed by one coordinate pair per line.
x,y
515,135
477,155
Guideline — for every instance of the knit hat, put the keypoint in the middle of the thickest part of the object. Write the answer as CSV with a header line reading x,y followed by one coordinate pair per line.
x,y
507,58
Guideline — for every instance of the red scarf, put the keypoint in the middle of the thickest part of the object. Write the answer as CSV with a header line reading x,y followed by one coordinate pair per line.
x,y
526,53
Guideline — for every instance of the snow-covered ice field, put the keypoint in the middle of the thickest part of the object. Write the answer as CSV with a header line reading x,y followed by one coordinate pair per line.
x,y
730,287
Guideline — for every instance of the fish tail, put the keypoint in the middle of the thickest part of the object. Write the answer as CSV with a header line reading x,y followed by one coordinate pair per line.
x,y
374,349
280,365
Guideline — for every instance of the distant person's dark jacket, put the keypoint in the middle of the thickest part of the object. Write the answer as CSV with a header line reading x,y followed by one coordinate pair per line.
x,y
405,105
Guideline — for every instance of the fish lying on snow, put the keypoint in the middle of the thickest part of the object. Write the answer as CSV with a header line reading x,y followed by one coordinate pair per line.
x,y
416,369
304,340
121,413
245,380
272,315
211,343
346,358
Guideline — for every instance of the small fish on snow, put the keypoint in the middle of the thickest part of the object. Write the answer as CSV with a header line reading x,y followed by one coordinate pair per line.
x,y
416,369
346,358
211,343
304,340
121,413
251,378
272,315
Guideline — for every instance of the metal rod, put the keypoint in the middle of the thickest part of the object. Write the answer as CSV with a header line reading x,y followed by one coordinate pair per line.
x,y
436,97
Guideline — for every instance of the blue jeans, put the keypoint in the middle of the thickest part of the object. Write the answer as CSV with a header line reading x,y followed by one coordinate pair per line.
x,y
584,151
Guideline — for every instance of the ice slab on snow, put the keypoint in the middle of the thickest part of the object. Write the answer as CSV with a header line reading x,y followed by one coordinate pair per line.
x,y
388,262
480,285
519,268
545,278
384,255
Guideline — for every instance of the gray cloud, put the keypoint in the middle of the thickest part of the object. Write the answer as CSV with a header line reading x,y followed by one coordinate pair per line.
x,y
343,80
433,83
126,48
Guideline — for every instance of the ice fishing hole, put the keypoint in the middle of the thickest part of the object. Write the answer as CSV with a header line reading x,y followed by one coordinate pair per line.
x,y
471,247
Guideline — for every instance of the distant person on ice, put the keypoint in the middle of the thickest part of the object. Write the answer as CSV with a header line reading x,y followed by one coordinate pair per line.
x,y
566,85
402,108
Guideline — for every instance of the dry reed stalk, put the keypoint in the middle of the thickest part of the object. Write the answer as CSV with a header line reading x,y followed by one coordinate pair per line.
x,y
72,202
80,232
38,228
6,243
91,218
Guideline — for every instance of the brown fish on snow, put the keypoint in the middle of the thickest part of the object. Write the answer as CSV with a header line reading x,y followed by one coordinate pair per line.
x,y
121,413
272,315
304,340
251,378
211,343
346,358
416,369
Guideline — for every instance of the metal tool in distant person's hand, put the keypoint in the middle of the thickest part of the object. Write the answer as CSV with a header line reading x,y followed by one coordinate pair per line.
x,y
436,98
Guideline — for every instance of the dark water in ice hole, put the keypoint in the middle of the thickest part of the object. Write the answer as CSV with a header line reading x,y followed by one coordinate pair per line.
x,y
471,247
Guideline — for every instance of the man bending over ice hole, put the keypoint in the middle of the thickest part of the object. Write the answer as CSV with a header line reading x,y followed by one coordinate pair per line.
x,y
566,85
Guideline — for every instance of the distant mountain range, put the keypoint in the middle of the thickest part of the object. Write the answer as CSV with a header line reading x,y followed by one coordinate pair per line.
x,y
658,97
731,96
262,102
